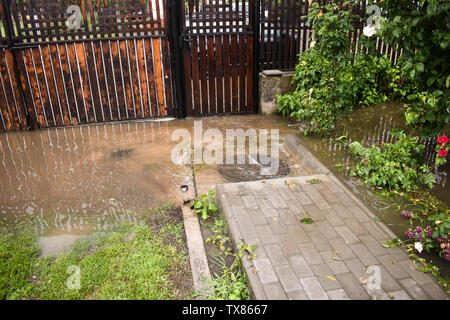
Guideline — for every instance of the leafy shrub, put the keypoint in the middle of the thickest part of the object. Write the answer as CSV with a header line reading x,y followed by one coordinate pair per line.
x,y
205,204
421,29
330,81
394,166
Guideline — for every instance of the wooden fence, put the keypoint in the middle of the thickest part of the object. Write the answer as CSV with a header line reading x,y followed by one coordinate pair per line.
x,y
113,66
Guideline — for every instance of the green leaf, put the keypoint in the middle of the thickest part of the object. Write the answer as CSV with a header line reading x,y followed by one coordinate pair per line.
x,y
306,220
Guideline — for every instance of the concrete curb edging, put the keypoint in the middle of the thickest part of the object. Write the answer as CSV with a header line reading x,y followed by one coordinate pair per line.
x,y
197,252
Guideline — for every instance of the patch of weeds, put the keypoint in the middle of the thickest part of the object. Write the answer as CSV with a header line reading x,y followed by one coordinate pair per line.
x,y
205,204
152,167
228,281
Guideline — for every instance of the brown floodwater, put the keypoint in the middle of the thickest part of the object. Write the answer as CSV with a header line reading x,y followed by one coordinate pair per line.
x,y
72,181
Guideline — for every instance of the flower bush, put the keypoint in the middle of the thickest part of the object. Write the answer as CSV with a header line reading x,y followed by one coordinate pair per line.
x,y
442,150
330,80
396,166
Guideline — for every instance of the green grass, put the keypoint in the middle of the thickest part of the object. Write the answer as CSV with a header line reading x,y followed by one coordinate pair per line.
x,y
131,262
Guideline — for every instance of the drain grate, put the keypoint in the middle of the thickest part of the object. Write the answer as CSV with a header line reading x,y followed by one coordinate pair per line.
x,y
255,168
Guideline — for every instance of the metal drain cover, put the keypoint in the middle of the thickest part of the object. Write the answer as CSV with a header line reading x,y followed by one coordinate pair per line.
x,y
255,168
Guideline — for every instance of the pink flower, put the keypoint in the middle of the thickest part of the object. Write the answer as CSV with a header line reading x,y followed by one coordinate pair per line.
x,y
442,139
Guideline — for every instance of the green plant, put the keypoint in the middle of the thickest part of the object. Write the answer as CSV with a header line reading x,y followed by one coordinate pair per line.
x,y
330,81
394,166
421,30
220,238
205,204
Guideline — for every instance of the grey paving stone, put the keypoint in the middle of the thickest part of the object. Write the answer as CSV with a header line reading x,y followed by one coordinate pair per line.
x,y
298,295
301,267
239,211
277,201
256,217
332,217
304,198
247,228
434,291
376,231
420,277
287,217
356,227
310,253
269,212
313,212
364,254
413,289
393,267
373,245
288,246
399,295
357,269
265,270
388,283
325,277
298,234
346,234
327,230
277,225
250,202
352,286
288,279
333,187
320,242
295,207
265,234
274,291
275,254
343,249
329,196
332,260
359,214
316,197
287,193
343,212
313,289
338,294
344,197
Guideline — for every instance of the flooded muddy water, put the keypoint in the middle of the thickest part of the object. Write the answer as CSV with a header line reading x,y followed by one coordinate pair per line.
x,y
72,181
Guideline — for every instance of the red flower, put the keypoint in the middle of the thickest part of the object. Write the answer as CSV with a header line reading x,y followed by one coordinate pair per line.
x,y
442,139
442,153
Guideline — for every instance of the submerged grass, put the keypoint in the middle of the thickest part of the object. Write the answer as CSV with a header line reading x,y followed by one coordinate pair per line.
x,y
130,262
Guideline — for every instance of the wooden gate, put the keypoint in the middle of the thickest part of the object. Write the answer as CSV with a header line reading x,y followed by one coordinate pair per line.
x,y
70,62
218,44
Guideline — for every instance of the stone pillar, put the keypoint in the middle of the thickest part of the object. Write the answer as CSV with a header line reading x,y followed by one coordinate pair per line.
x,y
272,83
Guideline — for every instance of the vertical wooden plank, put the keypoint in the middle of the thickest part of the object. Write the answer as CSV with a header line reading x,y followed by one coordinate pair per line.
x,y
53,97
188,82
8,92
26,87
136,80
19,103
60,87
250,74
234,73
242,73
70,89
125,90
219,74
39,70
203,75
143,78
6,118
104,89
92,75
76,82
211,75
120,71
195,76
226,73
151,77
159,77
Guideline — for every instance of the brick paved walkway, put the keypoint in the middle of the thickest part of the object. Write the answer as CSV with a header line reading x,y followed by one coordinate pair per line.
x,y
332,258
